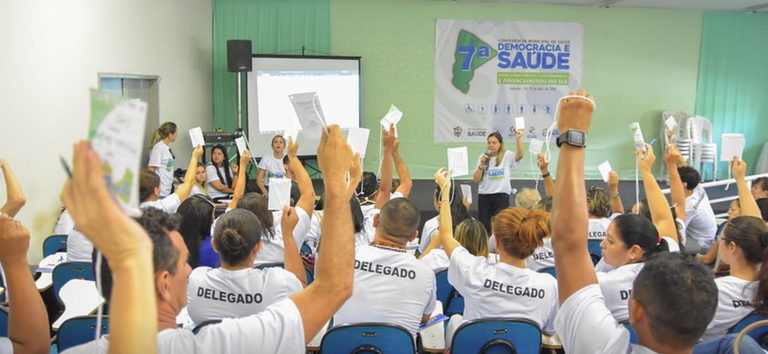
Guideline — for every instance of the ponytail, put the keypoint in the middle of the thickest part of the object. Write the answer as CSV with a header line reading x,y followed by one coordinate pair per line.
x,y
162,132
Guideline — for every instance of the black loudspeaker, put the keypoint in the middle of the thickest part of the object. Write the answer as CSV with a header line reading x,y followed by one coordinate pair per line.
x,y
239,55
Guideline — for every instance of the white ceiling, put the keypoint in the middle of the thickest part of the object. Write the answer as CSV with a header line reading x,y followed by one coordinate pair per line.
x,y
707,5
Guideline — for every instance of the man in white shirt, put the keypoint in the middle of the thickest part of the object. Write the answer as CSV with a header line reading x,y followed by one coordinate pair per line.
x,y
284,327
700,223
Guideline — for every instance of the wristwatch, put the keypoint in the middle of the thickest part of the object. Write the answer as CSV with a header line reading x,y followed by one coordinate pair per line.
x,y
573,137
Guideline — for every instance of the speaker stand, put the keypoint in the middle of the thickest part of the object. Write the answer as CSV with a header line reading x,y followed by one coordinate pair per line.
x,y
239,103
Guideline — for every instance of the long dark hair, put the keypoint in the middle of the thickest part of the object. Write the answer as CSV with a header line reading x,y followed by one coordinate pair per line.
x,y
638,230
643,210
459,212
196,219
257,204
225,165
750,234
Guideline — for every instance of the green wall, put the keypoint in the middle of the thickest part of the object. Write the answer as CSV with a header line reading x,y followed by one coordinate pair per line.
x,y
637,63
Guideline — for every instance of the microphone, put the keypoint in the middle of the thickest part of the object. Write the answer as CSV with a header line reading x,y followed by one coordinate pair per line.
x,y
488,159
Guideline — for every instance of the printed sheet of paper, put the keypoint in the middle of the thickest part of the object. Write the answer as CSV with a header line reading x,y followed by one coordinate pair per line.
x,y
392,117
733,145
116,132
241,147
458,161
535,146
279,193
196,135
605,170
520,123
466,190
357,138
670,123
310,113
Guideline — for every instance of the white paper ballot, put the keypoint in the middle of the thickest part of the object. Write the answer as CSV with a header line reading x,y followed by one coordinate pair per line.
x,y
240,142
196,135
292,129
392,117
671,123
535,146
458,161
357,138
605,170
279,193
310,113
733,145
520,123
467,191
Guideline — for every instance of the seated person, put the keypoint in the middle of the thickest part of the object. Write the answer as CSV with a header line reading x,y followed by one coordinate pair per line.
x,y
220,174
149,187
459,213
237,289
700,223
527,198
470,234
196,219
599,209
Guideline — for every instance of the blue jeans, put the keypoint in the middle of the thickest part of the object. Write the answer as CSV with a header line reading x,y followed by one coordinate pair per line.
x,y
725,346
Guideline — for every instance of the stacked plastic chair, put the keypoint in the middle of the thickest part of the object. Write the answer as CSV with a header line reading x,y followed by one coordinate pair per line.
x,y
704,149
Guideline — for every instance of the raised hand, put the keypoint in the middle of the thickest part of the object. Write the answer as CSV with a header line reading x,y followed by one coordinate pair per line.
x,y
293,148
645,159
576,113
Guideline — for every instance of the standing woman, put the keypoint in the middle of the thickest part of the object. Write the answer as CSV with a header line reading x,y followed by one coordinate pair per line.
x,y
220,174
492,176
271,165
161,159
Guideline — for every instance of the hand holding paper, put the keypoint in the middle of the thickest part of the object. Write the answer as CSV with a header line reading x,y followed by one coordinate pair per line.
x,y
466,190
605,170
357,138
520,123
310,113
240,142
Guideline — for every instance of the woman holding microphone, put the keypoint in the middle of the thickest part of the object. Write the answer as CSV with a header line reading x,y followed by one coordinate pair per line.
x,y
492,176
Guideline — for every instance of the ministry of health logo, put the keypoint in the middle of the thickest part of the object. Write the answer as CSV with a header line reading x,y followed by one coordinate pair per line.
x,y
457,131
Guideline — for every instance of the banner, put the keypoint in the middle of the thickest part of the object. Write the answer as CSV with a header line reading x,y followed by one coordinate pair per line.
x,y
487,73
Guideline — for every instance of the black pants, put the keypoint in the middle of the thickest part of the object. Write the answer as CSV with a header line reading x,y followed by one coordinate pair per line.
x,y
489,205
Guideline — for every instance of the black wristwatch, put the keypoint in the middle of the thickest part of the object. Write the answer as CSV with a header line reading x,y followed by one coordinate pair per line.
x,y
573,137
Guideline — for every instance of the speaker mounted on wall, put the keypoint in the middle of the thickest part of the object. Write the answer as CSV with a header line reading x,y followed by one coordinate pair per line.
x,y
239,55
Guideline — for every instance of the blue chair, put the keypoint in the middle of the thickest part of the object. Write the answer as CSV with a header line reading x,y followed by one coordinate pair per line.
x,y
497,336
549,270
595,251
67,271
306,250
3,322
79,330
453,302
53,244
632,334
367,338
759,334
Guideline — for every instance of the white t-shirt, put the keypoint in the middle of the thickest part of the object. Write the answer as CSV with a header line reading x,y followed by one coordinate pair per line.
x,y
543,257
598,228
496,179
278,329
680,224
585,325
6,346
430,227
272,167
389,287
214,294
273,251
195,190
437,260
734,302
700,223
315,233
616,286
503,290
369,230
162,160
79,248
211,176
168,204
64,224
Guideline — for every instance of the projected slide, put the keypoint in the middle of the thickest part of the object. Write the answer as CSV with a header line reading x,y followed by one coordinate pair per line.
x,y
336,81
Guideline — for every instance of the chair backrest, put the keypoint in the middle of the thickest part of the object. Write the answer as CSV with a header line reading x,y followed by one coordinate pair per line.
x,y
699,129
632,334
53,244
453,302
759,334
595,251
367,338
67,271
3,322
79,330
549,270
497,335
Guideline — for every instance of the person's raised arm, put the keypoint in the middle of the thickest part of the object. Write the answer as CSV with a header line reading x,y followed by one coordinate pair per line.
x,y
746,200
355,174
675,183
125,244
385,185
549,183
519,144
307,199
406,183
613,187
292,262
240,182
569,216
189,178
335,269
657,202
445,220
28,322
260,183
16,199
